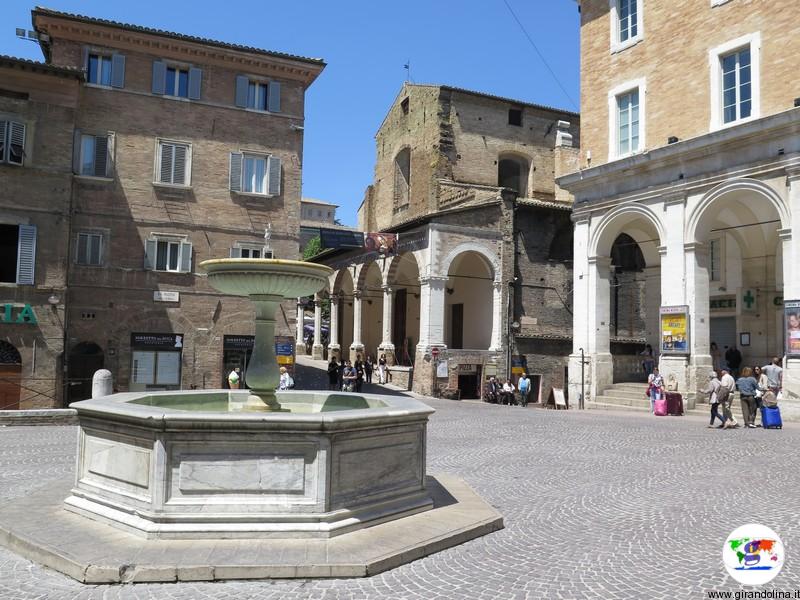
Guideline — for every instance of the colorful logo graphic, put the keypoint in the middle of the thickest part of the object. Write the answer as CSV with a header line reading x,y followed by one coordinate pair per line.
x,y
753,554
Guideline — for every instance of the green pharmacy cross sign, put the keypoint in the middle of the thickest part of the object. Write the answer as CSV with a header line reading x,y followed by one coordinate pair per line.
x,y
748,300
23,316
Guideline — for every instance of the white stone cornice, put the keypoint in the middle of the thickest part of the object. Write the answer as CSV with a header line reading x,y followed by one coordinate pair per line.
x,y
600,261
662,250
695,247
785,234
674,198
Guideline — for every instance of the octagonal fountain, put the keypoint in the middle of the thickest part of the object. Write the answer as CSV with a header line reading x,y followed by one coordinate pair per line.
x,y
251,463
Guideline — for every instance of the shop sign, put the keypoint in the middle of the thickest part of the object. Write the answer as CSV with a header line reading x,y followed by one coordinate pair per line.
x,y
791,312
163,341
674,329
284,350
749,300
238,342
467,368
166,296
23,316
722,303
519,365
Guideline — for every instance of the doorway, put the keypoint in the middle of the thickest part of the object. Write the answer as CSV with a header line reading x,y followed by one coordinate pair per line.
x,y
723,332
457,326
84,360
10,376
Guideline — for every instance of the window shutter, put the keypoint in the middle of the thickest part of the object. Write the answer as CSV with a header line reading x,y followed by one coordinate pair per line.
x,y
179,158
274,96
236,253
112,153
100,155
186,257
165,174
3,128
26,254
85,61
242,81
150,255
82,253
274,176
236,171
195,78
118,70
76,151
16,142
159,77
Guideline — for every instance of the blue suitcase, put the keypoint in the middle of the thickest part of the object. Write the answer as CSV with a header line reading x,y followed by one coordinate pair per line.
x,y
771,417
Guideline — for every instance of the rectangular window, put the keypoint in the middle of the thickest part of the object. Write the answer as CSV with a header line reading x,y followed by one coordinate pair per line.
x,y
177,82
17,254
12,142
167,255
628,15
94,155
99,70
515,117
250,253
163,252
257,95
736,85
254,175
628,123
90,249
173,163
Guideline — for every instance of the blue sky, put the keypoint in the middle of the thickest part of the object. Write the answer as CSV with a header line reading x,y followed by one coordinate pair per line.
x,y
475,44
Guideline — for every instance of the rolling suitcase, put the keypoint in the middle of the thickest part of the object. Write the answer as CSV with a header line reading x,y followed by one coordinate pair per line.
x,y
660,408
674,404
771,417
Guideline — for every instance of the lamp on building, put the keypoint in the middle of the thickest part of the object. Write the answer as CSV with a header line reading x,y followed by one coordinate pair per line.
x,y
450,290
53,300
673,139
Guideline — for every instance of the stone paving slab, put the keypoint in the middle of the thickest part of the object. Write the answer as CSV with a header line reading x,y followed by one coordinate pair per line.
x,y
91,552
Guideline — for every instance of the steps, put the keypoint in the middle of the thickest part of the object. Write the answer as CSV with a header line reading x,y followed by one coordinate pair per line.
x,y
631,397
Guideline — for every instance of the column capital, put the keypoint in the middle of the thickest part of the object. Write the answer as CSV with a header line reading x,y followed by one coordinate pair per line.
x,y
335,298
696,247
662,250
792,173
357,294
497,285
600,261
786,234
387,289
674,198
433,280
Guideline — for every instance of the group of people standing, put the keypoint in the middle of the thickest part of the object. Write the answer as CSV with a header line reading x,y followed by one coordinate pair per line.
x,y
757,386
350,377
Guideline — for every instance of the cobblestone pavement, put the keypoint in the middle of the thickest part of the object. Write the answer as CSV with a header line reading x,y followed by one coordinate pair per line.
x,y
596,505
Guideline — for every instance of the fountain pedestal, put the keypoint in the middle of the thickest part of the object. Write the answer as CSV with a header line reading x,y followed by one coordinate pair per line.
x,y
263,375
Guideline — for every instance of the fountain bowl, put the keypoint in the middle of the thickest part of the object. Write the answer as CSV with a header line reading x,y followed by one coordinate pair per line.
x,y
266,276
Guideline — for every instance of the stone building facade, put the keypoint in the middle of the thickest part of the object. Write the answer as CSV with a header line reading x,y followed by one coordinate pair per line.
x,y
181,149
689,159
38,108
482,271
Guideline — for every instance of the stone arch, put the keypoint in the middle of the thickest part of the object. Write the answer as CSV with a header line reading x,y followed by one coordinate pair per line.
x,y
701,215
624,219
396,261
486,253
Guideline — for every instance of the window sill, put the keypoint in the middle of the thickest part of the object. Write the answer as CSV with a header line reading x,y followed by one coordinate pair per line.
x,y
253,194
629,43
171,186
8,284
721,126
177,98
77,264
98,86
626,155
170,272
94,178
258,111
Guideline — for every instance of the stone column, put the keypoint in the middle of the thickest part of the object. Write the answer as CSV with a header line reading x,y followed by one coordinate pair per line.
x,y
599,315
697,296
791,289
497,316
431,312
673,286
357,347
317,350
581,300
387,346
334,349
300,343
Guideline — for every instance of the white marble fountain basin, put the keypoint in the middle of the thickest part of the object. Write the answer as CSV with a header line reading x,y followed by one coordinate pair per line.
x,y
188,465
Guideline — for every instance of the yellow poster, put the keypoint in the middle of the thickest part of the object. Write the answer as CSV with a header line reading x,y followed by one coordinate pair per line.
x,y
675,329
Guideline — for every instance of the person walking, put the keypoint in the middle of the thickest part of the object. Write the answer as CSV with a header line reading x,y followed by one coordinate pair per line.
x,y
711,389
369,366
748,386
725,396
774,374
524,387
333,375
655,388
648,360
382,369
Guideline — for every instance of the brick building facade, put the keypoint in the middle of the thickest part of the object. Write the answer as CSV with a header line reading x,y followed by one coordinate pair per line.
x,y
690,159
179,150
483,264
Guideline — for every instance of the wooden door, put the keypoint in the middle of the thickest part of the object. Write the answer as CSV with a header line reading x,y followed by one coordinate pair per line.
x,y
10,379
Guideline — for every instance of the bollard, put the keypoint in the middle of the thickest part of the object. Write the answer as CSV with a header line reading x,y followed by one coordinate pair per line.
x,y
102,384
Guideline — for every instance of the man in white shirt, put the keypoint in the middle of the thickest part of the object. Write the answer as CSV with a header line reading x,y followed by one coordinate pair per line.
x,y
508,393
774,374
727,385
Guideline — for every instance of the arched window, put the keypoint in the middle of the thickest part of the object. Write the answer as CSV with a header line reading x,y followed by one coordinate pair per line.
x,y
512,172
402,177
626,255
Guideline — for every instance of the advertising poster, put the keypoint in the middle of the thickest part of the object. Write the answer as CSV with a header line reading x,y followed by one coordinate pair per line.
x,y
674,329
791,312
384,244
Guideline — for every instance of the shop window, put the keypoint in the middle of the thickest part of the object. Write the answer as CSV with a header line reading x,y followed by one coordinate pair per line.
x,y
156,368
